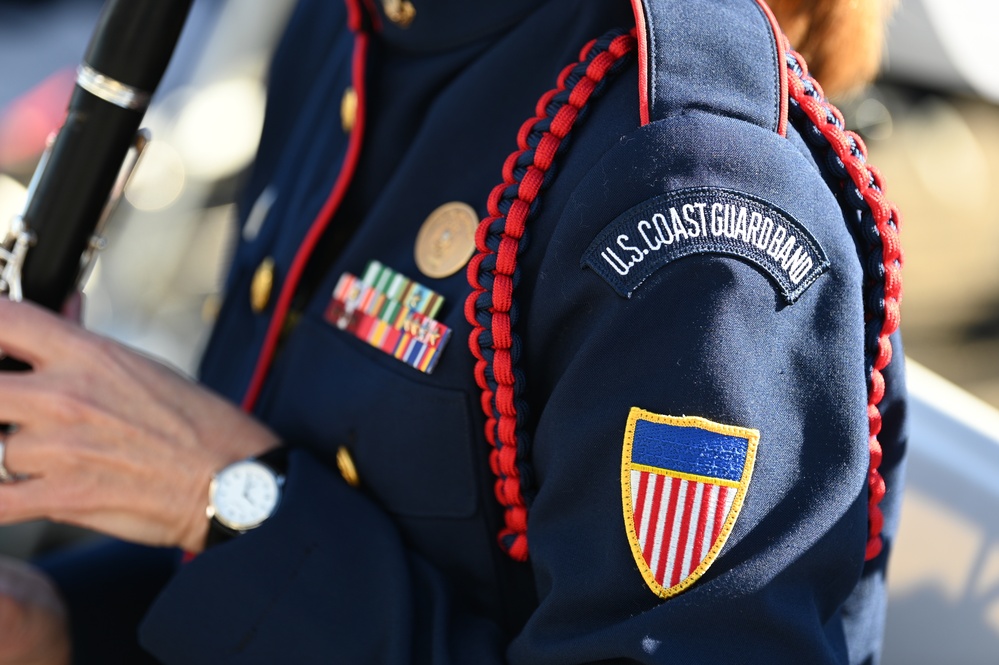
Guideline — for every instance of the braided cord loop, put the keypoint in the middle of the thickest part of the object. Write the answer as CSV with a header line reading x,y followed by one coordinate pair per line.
x,y
876,224
494,274
501,238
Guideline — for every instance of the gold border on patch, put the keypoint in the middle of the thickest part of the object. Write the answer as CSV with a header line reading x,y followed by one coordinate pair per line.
x,y
446,240
667,568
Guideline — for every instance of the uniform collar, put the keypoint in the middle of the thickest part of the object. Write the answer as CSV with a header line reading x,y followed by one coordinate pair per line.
x,y
438,25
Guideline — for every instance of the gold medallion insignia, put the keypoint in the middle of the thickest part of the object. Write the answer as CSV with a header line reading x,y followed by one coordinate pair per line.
x,y
446,240
400,12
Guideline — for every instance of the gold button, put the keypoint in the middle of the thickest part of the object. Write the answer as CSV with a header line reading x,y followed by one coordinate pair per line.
x,y
446,240
400,12
210,308
261,286
348,109
345,463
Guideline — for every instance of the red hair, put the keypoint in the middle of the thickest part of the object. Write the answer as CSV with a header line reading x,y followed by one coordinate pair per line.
x,y
840,39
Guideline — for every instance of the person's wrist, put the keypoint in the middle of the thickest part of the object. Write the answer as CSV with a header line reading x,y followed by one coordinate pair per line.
x,y
248,438
195,528
244,494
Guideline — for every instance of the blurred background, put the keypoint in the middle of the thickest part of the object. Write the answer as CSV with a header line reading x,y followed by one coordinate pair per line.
x,y
155,285
932,126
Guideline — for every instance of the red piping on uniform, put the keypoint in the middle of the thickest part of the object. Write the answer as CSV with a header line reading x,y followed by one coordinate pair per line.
x,y
643,61
779,40
376,19
355,16
322,219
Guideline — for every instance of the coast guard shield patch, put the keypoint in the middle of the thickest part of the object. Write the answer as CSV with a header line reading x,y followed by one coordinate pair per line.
x,y
683,482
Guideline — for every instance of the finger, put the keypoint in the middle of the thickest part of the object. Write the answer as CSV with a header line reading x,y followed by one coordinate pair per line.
x,y
56,481
72,309
25,500
28,400
23,458
33,334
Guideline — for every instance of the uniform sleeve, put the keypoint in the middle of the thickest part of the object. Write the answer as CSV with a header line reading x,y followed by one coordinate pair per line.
x,y
633,466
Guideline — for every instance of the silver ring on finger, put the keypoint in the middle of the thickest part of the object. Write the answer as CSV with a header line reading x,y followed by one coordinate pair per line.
x,y
6,475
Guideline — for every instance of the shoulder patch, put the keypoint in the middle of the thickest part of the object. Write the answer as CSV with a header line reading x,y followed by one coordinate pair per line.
x,y
683,483
706,220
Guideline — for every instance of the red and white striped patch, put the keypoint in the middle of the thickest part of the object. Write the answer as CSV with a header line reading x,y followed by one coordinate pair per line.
x,y
677,521
683,482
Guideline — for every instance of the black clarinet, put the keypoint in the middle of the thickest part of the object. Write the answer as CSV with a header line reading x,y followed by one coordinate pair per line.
x,y
78,181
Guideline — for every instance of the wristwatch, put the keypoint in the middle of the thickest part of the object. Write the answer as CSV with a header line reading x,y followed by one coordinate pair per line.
x,y
244,494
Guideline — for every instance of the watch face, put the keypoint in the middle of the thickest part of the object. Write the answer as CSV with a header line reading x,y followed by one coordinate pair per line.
x,y
244,494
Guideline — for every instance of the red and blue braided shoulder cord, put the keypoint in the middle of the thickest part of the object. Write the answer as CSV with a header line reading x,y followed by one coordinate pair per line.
x,y
877,222
493,272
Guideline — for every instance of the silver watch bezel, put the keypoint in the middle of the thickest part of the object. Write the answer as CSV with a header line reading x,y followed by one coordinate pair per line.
x,y
217,513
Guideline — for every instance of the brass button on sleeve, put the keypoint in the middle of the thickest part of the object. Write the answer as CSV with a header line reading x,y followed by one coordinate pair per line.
x,y
262,285
348,109
345,463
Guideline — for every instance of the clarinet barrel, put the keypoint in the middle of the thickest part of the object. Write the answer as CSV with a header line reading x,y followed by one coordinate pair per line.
x,y
124,62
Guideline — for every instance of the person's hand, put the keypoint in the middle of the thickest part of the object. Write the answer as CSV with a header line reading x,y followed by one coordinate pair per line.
x,y
112,440
72,309
33,628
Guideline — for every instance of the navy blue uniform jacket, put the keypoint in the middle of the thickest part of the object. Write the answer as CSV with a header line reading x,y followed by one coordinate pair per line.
x,y
638,315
